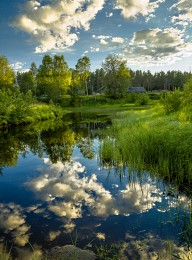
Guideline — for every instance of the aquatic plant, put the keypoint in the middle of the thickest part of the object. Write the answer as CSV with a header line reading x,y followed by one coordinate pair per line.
x,y
4,253
147,140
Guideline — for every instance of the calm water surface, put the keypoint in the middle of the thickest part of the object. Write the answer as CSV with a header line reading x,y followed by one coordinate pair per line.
x,y
53,191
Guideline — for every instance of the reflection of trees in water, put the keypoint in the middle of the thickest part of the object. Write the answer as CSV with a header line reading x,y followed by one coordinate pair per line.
x,y
58,144
57,139
10,148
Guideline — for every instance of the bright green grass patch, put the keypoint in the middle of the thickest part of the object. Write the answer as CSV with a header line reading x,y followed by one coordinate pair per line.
x,y
147,140
30,114
111,109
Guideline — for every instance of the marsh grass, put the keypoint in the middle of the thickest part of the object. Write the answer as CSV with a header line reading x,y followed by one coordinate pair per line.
x,y
4,253
148,140
108,252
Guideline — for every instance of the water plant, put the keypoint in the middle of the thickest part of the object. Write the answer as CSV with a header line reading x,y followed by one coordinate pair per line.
x,y
108,252
148,140
4,253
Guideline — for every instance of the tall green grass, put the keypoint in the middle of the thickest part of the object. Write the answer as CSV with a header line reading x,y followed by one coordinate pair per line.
x,y
148,140
4,254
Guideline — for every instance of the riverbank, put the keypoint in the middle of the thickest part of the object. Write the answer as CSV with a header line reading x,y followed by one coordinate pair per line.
x,y
150,141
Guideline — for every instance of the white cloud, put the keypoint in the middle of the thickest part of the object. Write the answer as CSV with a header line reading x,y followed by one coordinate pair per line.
x,y
17,65
53,235
117,40
157,47
12,221
132,8
184,16
109,43
108,14
151,47
54,26
70,192
94,49
103,42
100,236
157,38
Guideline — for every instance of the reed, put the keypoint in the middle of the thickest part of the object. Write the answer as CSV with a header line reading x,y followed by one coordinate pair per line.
x,y
148,140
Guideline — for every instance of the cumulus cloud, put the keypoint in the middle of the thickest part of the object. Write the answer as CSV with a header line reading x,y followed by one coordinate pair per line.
x,y
12,221
132,8
17,65
53,235
71,191
100,236
184,16
55,25
109,43
157,47
151,47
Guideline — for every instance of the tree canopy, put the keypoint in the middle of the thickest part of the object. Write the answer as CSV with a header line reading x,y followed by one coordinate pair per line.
x,y
117,76
6,74
53,77
82,73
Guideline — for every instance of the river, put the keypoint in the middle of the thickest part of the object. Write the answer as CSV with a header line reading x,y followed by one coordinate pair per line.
x,y
54,191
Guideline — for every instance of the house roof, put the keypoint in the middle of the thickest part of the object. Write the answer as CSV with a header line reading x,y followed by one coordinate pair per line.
x,y
136,90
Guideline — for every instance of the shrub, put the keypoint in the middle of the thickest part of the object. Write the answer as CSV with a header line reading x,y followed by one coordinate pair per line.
x,y
171,101
142,99
131,97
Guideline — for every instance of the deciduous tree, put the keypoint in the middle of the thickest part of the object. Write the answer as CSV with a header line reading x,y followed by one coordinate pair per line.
x,y
83,73
6,74
117,76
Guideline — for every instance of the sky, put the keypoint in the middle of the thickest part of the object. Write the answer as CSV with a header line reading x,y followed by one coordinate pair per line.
x,y
151,35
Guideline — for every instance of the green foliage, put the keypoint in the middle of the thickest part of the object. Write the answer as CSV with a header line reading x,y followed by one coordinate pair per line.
x,y
142,99
25,81
159,80
186,101
80,76
108,252
6,74
131,97
150,142
53,77
117,76
171,101
14,107
4,254
19,108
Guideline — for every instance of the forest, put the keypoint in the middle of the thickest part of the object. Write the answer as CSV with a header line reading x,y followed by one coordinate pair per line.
x,y
43,92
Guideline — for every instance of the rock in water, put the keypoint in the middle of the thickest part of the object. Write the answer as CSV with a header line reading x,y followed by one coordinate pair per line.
x,y
70,252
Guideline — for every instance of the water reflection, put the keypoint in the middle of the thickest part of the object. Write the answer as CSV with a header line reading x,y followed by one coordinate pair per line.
x,y
61,192
66,190
55,139
72,194
13,221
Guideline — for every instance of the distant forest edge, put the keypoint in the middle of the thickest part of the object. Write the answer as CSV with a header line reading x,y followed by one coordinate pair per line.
x,y
39,93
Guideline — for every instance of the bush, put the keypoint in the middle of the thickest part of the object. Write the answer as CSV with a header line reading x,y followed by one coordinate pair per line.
x,y
171,101
142,99
17,108
131,97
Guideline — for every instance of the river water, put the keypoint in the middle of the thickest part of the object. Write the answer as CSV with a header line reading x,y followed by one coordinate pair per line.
x,y
54,192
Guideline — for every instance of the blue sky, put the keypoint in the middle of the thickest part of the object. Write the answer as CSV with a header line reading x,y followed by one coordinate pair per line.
x,y
150,34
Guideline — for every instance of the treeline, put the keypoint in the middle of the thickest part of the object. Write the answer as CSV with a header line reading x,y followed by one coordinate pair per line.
x,y
54,78
160,80
53,81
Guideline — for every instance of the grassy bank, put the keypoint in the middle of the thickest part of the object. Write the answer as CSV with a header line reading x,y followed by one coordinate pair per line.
x,y
17,108
149,140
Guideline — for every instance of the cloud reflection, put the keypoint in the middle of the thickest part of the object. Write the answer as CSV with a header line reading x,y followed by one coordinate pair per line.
x,y
66,188
12,220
